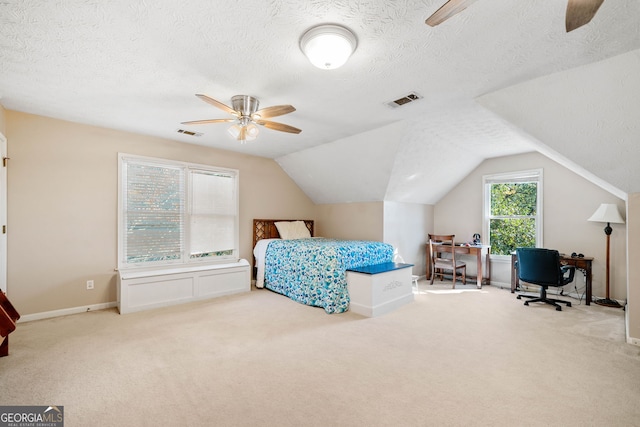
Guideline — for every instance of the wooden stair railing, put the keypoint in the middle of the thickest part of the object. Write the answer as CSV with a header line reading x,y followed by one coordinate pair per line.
x,y
8,318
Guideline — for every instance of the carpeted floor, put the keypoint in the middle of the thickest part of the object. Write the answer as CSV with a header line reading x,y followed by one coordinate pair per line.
x,y
469,357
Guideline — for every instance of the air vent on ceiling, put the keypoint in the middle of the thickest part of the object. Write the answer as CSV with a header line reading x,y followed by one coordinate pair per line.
x,y
413,96
190,133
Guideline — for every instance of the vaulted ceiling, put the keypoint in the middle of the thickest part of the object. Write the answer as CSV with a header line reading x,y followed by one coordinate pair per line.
x,y
500,78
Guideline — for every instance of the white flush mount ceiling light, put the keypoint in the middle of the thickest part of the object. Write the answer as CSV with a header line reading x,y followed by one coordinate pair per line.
x,y
328,46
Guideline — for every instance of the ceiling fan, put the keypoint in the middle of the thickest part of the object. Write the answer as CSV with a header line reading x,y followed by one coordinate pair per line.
x,y
247,116
579,12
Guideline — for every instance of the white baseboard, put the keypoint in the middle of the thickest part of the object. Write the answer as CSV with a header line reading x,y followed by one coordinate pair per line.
x,y
579,295
501,285
633,341
66,311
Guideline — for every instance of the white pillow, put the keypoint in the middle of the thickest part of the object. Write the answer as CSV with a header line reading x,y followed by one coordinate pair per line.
x,y
292,230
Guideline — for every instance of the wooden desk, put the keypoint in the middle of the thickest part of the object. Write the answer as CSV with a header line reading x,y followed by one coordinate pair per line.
x,y
583,264
481,253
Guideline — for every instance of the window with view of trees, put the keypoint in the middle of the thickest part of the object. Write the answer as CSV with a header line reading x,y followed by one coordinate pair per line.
x,y
175,213
513,206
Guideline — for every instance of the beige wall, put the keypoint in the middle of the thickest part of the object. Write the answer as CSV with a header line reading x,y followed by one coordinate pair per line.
x,y
62,205
403,225
633,230
569,201
357,221
406,226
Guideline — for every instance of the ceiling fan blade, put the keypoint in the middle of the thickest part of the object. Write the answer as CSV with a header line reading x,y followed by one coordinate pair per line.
x,y
204,122
447,10
580,12
276,110
218,104
278,126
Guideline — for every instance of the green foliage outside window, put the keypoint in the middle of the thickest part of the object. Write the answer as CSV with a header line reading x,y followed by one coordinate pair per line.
x,y
513,221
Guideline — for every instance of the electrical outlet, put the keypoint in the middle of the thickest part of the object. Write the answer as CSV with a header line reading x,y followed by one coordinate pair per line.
x,y
89,284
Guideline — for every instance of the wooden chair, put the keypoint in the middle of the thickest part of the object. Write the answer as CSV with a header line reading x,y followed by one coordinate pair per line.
x,y
445,243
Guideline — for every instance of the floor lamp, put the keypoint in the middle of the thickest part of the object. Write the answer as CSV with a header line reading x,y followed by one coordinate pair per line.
x,y
608,213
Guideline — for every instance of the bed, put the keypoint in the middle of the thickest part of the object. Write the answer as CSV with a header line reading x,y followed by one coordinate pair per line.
x,y
310,270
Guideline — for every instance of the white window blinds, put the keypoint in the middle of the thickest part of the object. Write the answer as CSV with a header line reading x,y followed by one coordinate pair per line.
x,y
213,213
155,226
153,213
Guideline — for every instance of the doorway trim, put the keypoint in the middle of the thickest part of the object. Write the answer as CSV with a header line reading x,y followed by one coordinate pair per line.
x,y
3,212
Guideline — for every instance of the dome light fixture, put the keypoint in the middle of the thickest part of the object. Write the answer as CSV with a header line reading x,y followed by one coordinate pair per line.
x,y
328,46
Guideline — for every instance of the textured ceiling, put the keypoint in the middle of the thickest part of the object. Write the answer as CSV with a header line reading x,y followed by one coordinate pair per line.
x,y
135,65
588,115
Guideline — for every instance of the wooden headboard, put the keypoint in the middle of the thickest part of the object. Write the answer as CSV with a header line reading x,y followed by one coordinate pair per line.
x,y
266,228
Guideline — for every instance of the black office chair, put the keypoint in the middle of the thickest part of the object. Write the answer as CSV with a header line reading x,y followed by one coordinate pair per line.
x,y
542,267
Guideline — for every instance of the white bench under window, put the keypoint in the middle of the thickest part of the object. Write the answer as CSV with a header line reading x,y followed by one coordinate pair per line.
x,y
152,288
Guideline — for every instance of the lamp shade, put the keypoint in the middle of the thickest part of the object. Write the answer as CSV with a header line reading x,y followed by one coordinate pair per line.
x,y
607,212
328,46
251,132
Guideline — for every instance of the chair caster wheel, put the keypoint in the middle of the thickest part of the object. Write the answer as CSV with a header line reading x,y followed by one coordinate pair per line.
x,y
526,303
568,304
518,297
558,308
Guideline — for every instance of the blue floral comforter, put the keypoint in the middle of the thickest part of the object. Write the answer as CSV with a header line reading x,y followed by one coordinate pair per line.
x,y
313,271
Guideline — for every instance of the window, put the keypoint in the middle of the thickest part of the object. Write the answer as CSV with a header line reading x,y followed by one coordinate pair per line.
x,y
513,210
175,213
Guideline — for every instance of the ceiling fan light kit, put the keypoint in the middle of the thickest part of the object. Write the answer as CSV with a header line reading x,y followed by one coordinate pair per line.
x,y
247,116
246,106
328,46
244,133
